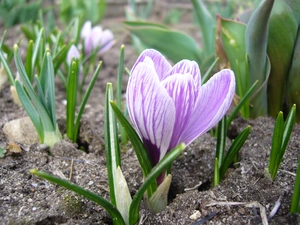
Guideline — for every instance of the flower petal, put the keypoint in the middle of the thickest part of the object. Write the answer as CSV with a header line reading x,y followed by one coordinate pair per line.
x,y
187,66
161,65
86,29
72,53
93,40
215,99
151,110
181,88
107,41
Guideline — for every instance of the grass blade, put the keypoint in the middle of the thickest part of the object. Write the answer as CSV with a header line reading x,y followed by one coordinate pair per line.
x,y
71,99
85,99
295,205
112,148
111,209
233,150
276,145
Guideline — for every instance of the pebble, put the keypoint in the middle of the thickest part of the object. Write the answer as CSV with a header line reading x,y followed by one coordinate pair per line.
x,y
196,215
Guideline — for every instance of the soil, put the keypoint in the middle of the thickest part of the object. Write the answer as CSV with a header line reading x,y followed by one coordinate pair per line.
x,y
245,196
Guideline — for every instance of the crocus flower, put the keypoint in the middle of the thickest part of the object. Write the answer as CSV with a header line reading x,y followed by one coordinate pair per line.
x,y
168,105
74,53
96,38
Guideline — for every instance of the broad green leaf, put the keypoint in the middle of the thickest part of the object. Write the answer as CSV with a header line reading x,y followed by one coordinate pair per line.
x,y
256,48
283,28
173,44
233,39
293,82
110,208
207,24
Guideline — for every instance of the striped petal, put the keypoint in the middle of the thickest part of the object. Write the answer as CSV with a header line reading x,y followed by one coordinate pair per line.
x,y
190,67
181,88
212,104
161,65
151,110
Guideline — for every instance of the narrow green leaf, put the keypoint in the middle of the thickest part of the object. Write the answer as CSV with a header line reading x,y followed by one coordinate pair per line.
x,y
233,150
288,127
29,34
48,85
119,90
295,205
120,77
216,179
221,140
60,56
85,99
28,63
151,178
207,74
241,104
276,144
111,209
71,99
31,111
112,148
37,45
5,64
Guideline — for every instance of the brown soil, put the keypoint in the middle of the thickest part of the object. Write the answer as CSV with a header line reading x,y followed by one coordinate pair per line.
x,y
244,196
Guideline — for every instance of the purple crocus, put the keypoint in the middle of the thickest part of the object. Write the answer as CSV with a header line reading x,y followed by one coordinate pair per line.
x,y
168,105
96,38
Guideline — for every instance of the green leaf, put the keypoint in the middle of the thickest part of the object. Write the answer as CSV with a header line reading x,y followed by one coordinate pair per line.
x,y
5,63
283,29
221,140
216,179
207,24
173,44
161,166
233,39
71,99
112,148
276,145
293,90
31,111
256,47
85,99
28,63
60,57
111,209
295,205
233,150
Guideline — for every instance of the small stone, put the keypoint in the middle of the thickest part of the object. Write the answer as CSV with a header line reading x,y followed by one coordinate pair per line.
x,y
241,211
21,131
196,215
33,208
90,183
